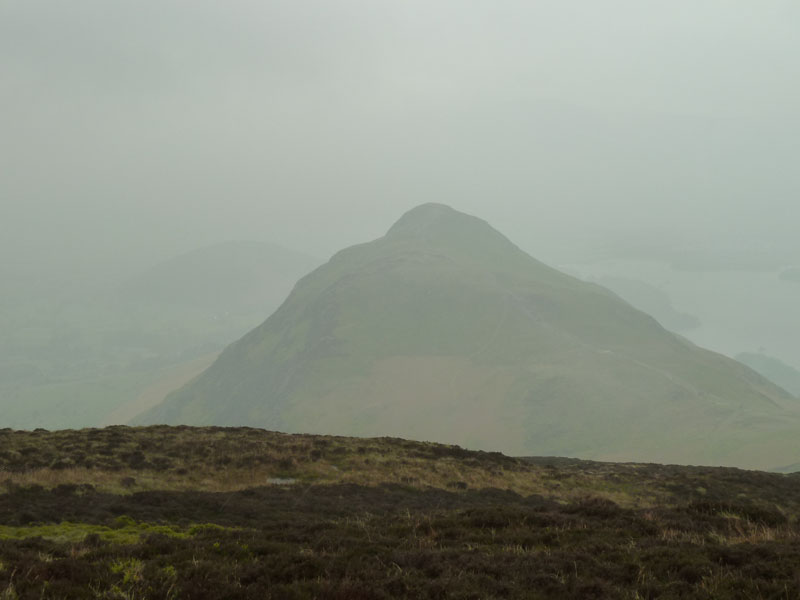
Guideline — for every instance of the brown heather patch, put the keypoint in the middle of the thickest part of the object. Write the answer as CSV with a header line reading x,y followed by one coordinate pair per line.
x,y
124,460
414,473
215,459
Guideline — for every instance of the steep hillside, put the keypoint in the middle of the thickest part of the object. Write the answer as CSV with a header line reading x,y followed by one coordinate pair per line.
x,y
443,329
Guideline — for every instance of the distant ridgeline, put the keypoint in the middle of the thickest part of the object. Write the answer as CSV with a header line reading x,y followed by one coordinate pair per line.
x,y
445,330
773,369
791,274
98,353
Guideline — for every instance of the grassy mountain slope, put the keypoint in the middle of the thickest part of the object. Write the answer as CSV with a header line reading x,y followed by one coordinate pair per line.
x,y
443,329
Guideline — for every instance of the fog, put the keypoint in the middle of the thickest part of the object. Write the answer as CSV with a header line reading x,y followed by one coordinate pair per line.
x,y
594,134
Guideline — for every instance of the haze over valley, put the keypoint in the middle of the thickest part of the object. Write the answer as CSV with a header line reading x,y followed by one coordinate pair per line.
x,y
99,354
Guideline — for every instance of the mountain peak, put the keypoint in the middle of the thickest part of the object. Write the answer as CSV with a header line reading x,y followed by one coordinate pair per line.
x,y
439,222
458,232
427,218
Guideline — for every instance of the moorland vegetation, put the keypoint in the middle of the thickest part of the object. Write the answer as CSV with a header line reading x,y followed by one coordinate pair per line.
x,y
180,512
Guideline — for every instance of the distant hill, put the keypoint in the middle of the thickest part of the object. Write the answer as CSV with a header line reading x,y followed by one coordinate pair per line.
x,y
773,369
445,330
71,360
238,277
791,274
653,301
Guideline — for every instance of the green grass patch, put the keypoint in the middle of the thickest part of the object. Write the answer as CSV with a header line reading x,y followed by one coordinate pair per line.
x,y
124,531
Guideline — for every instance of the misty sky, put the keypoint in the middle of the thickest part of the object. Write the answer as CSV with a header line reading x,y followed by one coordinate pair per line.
x,y
131,131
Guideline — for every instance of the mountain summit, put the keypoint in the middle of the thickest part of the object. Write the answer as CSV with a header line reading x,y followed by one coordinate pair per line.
x,y
445,330
432,221
427,217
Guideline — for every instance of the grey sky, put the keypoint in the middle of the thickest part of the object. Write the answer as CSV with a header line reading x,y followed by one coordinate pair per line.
x,y
135,130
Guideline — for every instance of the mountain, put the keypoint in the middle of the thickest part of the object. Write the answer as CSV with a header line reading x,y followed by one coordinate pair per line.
x,y
445,330
773,369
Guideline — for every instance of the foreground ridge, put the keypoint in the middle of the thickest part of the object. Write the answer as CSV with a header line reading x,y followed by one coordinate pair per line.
x,y
246,513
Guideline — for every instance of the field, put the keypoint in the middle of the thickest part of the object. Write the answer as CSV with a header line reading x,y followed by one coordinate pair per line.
x,y
179,512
